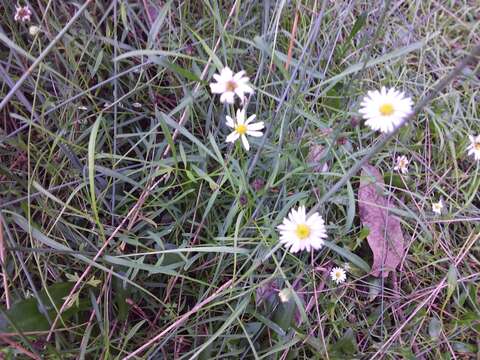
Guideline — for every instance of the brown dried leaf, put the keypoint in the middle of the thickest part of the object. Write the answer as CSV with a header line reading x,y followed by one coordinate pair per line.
x,y
385,237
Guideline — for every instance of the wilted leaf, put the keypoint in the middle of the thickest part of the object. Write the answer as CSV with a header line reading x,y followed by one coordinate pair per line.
x,y
385,237
265,292
452,280
314,158
374,287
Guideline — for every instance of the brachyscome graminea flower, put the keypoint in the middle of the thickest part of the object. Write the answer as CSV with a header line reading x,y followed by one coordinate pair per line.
x,y
474,147
338,275
242,128
299,232
384,110
437,207
229,84
402,164
22,13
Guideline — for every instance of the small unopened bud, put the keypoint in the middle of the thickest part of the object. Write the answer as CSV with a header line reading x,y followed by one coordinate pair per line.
x,y
284,295
33,30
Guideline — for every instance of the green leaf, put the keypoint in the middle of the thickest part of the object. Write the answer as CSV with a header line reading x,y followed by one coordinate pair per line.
x,y
91,172
359,24
27,316
451,280
354,259
346,345
98,62
122,292
153,33
285,311
434,328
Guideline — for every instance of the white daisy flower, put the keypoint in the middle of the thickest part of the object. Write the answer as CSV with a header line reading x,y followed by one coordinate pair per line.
x,y
474,147
299,232
402,164
137,105
22,13
229,84
242,128
384,110
437,207
338,275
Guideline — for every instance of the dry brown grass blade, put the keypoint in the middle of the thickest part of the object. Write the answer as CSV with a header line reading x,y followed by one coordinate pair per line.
x,y
18,347
292,39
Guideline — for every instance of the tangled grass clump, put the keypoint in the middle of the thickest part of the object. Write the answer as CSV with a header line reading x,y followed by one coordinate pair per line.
x,y
209,180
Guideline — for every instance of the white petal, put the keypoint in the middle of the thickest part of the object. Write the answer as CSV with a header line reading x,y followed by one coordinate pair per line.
x,y
229,121
317,244
226,73
240,93
302,211
217,78
245,142
240,116
256,126
250,119
240,75
254,133
246,88
233,136
217,88
295,247
227,97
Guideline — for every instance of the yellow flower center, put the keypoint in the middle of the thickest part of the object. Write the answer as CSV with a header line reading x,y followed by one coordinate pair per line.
x,y
477,146
241,129
338,274
231,85
386,109
302,231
